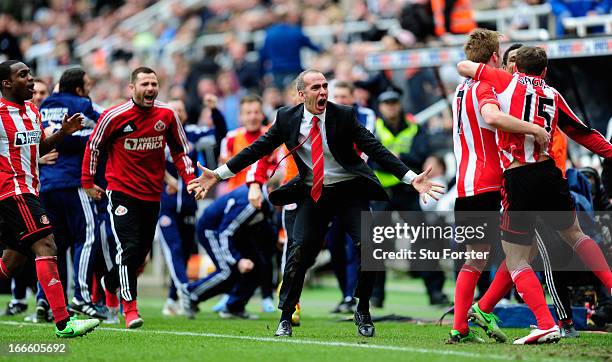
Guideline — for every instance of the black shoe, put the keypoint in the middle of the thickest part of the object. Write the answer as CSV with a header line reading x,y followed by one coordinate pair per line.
x,y
364,324
568,330
15,308
87,309
376,302
284,329
439,299
226,314
346,306
43,312
602,315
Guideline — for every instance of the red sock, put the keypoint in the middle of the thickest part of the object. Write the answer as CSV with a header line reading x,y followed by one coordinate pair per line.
x,y
529,288
46,270
499,287
591,255
111,299
464,296
129,306
95,296
4,273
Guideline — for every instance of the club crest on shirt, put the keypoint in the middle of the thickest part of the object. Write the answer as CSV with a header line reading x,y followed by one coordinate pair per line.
x,y
160,126
121,210
44,220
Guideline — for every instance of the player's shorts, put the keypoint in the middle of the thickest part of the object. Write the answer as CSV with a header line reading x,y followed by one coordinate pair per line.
x,y
477,210
531,191
23,221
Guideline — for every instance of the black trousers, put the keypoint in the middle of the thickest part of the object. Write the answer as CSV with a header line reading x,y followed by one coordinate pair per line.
x,y
312,221
133,223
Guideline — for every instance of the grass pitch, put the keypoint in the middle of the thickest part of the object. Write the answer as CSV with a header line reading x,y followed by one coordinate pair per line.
x,y
322,336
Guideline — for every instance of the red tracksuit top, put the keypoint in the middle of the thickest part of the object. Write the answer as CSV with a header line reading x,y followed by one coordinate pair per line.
x,y
135,139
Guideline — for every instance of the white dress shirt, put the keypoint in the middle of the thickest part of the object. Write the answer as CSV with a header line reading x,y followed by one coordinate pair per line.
x,y
332,171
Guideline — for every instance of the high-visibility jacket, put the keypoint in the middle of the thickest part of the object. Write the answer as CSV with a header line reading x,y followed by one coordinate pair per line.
x,y
461,17
400,143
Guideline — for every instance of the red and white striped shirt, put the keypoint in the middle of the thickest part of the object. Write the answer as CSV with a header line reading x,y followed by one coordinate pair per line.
x,y
20,135
478,167
135,138
529,98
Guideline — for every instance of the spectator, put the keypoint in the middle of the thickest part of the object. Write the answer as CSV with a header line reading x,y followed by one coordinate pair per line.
x,y
452,16
9,44
247,71
570,9
280,54
229,98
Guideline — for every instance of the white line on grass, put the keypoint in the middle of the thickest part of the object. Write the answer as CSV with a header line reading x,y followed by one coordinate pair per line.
x,y
300,341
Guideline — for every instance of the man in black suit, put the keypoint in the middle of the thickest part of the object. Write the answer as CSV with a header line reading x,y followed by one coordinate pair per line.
x,y
333,181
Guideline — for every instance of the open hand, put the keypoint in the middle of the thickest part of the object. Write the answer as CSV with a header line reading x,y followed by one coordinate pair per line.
x,y
245,265
201,185
425,186
542,137
95,192
72,124
49,159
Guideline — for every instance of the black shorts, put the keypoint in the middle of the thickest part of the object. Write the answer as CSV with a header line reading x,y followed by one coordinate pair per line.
x,y
480,210
532,191
23,221
133,224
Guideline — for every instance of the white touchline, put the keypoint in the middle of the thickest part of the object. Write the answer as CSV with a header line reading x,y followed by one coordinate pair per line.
x,y
300,341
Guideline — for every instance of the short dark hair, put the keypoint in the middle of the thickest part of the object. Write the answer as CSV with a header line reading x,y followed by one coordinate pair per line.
x,y
344,84
299,83
531,60
144,70
249,98
5,70
72,79
507,52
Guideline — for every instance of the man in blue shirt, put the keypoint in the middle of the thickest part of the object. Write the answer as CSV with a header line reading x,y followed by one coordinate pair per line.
x,y
71,211
280,54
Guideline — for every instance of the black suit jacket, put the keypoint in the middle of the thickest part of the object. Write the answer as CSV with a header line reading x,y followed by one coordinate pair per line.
x,y
342,130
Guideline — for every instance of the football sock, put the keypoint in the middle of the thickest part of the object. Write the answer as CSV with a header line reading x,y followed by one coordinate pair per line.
x,y
529,288
464,296
500,286
4,274
48,276
590,253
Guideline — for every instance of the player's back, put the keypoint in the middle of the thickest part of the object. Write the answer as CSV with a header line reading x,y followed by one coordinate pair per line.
x,y
478,168
528,98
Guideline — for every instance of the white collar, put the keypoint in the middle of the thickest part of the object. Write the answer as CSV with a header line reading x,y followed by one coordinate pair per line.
x,y
308,116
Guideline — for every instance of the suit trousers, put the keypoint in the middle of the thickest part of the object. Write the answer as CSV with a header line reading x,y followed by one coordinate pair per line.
x,y
312,220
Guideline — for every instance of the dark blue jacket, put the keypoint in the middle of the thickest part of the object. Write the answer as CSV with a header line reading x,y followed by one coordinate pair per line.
x,y
282,48
66,172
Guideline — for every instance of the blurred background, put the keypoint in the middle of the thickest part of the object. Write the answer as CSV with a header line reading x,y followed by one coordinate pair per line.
x,y
391,51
